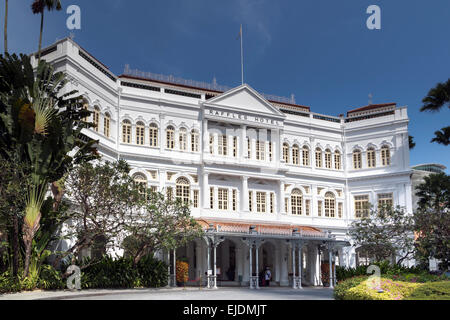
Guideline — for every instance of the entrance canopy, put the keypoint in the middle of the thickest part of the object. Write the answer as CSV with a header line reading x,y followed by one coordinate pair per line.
x,y
267,231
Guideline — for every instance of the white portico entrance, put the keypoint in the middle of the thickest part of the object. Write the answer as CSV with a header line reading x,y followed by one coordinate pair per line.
x,y
236,254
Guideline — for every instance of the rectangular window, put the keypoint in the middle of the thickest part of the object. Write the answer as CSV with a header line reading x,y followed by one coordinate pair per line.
x,y
272,202
286,205
140,135
169,193
328,160
223,145
211,144
154,188
106,126
235,146
223,198
260,150
250,201
361,206
307,207
337,161
260,201
234,199
319,208
211,198
195,199
385,200
295,155
249,148
340,209
153,135
270,151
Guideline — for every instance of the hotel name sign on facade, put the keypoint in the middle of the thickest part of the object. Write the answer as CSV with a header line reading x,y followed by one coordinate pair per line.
x,y
249,118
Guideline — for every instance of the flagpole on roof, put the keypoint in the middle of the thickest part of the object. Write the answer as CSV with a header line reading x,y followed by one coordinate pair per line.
x,y
242,58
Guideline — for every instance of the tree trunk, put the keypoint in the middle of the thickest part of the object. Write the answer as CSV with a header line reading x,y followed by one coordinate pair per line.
x,y
40,35
28,245
6,26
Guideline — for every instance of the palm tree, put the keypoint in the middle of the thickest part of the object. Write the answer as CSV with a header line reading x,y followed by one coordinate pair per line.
x,y
437,97
6,26
442,136
38,7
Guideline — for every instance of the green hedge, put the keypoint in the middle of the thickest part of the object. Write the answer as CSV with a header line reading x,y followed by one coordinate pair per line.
x,y
361,288
431,291
105,273
121,273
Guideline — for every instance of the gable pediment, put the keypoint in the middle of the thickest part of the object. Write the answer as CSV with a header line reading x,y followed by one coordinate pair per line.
x,y
245,99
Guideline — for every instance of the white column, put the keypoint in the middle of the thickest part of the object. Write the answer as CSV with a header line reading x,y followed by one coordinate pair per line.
x,y
299,250
168,268
162,133
293,267
244,194
250,264
242,143
256,265
174,284
330,262
205,193
215,266
281,198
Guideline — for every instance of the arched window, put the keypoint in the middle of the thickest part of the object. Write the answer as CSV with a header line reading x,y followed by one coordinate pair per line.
x,y
194,140
286,152
330,204
85,107
96,117
328,159
126,131
318,158
182,136
295,154
182,191
371,162
357,163
170,133
141,182
305,156
296,202
106,124
140,133
385,156
153,135
337,160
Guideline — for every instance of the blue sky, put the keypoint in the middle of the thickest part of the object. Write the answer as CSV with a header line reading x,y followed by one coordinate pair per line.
x,y
319,50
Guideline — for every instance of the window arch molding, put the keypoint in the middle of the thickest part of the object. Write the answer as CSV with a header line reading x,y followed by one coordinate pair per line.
x,y
141,171
296,186
325,191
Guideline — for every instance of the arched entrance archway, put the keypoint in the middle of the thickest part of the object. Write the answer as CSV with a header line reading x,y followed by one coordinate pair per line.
x,y
227,261
267,259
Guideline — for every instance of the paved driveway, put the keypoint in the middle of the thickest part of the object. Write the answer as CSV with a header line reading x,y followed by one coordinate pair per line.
x,y
180,294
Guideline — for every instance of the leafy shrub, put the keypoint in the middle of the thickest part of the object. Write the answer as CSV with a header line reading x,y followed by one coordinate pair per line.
x,y
342,286
368,290
122,273
431,291
50,278
152,272
8,283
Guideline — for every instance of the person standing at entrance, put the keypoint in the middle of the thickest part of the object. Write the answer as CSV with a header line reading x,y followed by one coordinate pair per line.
x,y
267,276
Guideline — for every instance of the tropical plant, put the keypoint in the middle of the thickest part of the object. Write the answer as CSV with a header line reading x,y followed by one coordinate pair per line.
x,y
38,7
163,223
437,98
432,219
39,127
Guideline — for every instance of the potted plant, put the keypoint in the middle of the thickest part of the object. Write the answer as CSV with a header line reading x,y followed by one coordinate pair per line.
x,y
182,268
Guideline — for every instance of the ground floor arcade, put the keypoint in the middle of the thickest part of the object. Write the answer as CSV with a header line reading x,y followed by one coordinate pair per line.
x,y
231,256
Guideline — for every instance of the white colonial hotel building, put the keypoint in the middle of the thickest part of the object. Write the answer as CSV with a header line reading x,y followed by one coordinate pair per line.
x,y
273,183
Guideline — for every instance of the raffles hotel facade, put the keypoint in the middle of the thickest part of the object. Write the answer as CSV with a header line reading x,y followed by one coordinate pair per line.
x,y
273,183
